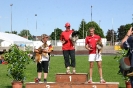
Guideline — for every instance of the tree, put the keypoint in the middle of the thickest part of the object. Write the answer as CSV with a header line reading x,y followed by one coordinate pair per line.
x,y
132,24
98,30
56,34
26,33
13,32
123,30
111,36
82,29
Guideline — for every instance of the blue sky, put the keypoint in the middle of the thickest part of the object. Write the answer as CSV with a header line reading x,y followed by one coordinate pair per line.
x,y
55,13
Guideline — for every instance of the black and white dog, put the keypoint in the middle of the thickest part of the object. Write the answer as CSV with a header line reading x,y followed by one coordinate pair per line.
x,y
74,37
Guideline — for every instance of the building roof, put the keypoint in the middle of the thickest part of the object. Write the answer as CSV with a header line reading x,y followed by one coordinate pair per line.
x,y
14,38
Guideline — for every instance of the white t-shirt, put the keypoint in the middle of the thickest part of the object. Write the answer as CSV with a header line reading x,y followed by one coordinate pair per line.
x,y
46,56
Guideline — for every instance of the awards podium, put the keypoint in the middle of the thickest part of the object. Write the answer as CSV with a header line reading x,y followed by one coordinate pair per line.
x,y
78,80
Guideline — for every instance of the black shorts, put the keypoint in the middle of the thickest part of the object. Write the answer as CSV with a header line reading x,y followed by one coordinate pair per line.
x,y
43,66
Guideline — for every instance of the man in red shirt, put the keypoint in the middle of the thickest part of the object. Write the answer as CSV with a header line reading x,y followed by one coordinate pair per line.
x,y
68,49
90,45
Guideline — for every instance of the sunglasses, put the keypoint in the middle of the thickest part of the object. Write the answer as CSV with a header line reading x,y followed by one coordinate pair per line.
x,y
67,26
45,37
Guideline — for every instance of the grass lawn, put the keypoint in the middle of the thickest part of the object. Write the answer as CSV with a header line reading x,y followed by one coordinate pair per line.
x,y
110,69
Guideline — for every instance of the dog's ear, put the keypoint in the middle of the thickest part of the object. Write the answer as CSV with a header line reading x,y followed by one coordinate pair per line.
x,y
75,33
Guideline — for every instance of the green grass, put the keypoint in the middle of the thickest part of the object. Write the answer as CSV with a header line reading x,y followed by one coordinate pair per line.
x,y
110,69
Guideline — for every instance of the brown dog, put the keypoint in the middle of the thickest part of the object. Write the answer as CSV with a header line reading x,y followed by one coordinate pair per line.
x,y
99,46
39,54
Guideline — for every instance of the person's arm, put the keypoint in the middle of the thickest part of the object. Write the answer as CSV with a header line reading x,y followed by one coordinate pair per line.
x,y
46,51
36,50
62,39
86,45
126,36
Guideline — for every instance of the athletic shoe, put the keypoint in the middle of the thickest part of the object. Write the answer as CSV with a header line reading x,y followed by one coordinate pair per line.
x,y
102,81
74,71
68,71
37,80
45,80
90,81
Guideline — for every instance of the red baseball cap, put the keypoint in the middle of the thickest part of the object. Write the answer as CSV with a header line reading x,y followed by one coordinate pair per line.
x,y
67,24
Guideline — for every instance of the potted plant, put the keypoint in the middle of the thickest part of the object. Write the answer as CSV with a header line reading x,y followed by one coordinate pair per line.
x,y
124,65
17,60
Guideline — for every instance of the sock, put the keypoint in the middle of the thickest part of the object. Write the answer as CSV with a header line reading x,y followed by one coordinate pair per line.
x,y
68,68
73,68
90,78
45,80
101,78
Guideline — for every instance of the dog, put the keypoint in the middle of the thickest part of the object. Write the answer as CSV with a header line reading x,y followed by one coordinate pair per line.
x,y
74,37
38,55
99,46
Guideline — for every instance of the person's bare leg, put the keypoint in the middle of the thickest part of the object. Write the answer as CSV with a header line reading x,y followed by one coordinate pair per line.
x,y
91,71
39,75
99,68
45,77
99,64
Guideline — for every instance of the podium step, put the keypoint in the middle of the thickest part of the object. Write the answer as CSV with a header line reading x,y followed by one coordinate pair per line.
x,y
96,85
77,78
47,85
72,85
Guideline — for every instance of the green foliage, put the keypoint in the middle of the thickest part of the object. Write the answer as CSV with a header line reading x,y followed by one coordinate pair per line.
x,y
123,30
56,34
26,33
110,34
122,53
17,60
82,28
98,30
13,32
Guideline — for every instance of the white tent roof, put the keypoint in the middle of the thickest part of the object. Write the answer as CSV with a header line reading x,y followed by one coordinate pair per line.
x,y
14,39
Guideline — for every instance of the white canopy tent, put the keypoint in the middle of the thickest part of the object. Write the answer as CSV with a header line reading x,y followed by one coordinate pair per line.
x,y
14,39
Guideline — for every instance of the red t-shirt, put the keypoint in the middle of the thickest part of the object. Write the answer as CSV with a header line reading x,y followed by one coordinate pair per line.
x,y
91,41
65,35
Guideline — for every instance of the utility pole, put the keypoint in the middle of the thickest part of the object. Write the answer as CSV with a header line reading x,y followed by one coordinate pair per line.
x,y
55,37
99,22
11,17
83,28
36,26
112,33
27,28
91,13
